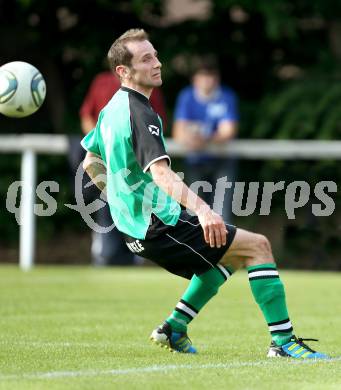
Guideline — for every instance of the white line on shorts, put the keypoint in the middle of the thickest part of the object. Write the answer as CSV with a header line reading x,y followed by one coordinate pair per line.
x,y
193,224
182,243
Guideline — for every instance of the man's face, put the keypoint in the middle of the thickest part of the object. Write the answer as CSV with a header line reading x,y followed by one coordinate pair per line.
x,y
205,82
145,70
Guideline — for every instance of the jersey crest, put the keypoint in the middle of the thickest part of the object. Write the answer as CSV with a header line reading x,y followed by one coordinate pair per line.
x,y
154,130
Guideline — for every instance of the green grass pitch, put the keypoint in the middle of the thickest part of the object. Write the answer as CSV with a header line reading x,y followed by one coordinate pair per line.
x,y
86,328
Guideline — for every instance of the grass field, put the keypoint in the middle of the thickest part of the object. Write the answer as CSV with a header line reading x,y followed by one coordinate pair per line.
x,y
85,328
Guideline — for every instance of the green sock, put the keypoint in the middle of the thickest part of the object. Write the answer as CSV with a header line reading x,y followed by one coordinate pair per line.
x,y
200,290
268,291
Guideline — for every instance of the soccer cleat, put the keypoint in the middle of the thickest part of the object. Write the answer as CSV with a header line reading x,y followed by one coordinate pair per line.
x,y
295,348
174,341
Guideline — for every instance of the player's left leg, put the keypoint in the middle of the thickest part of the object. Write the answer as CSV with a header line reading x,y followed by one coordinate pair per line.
x,y
254,251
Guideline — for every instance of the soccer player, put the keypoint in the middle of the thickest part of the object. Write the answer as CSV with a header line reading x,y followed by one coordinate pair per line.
x,y
127,159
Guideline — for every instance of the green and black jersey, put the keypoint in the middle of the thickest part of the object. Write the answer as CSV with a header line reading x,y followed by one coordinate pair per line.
x,y
128,137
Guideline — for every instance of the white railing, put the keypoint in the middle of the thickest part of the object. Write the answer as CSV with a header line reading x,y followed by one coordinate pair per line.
x,y
30,145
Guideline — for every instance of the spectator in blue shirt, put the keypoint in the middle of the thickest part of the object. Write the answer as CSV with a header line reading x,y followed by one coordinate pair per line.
x,y
207,113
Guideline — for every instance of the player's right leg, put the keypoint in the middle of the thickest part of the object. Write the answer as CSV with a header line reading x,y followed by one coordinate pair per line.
x,y
202,288
183,251
254,252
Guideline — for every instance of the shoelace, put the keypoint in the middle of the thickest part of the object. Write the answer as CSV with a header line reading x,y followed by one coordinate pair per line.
x,y
183,338
300,341
189,340
183,342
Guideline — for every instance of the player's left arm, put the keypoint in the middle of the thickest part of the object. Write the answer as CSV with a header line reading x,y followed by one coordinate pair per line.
x,y
95,167
213,226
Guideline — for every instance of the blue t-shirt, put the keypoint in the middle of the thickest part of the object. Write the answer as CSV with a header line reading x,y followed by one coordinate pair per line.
x,y
223,105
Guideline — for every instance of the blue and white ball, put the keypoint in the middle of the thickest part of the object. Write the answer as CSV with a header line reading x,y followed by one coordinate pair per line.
x,y
22,89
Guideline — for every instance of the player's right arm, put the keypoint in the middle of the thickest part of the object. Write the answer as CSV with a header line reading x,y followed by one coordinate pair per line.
x,y
93,164
212,224
95,167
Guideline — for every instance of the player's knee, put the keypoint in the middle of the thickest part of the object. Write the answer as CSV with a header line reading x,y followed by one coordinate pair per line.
x,y
263,245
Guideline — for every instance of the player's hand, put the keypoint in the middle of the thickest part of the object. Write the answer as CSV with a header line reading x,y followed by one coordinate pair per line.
x,y
214,228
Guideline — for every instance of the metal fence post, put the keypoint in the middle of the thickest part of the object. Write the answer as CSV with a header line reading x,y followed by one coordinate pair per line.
x,y
27,217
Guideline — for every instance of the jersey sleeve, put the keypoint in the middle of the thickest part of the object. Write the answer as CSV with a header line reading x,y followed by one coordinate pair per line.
x,y
148,143
90,143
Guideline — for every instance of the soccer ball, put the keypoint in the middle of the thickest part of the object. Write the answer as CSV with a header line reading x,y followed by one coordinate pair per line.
x,y
22,89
